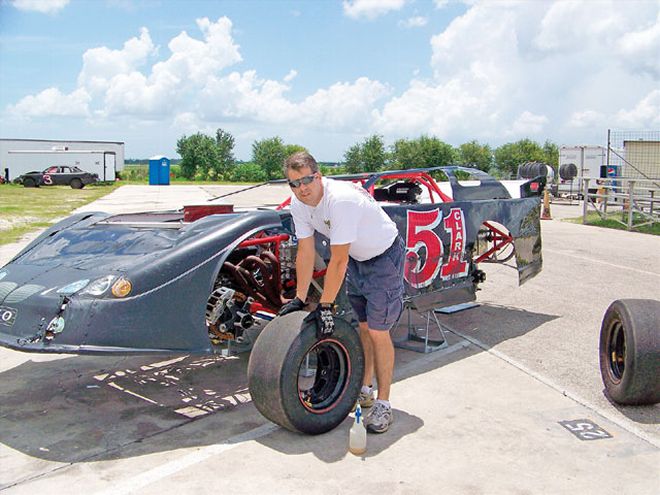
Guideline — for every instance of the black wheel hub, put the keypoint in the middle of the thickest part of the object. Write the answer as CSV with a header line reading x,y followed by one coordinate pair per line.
x,y
617,350
323,376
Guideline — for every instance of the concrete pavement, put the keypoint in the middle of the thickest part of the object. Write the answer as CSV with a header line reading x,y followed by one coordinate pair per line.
x,y
482,416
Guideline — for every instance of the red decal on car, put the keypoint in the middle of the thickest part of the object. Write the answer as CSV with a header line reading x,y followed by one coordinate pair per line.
x,y
424,248
455,267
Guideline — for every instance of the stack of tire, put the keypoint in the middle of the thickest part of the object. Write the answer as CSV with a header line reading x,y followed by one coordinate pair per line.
x,y
568,171
529,170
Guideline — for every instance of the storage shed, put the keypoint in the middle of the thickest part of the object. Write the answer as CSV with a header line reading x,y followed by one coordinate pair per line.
x,y
19,156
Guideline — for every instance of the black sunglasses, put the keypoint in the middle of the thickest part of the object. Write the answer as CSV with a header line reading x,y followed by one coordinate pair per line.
x,y
294,184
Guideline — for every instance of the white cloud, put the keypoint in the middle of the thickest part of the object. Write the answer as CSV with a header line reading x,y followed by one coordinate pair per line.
x,y
645,114
42,6
52,102
370,9
564,59
291,75
191,64
190,87
473,79
247,97
414,22
527,124
586,118
101,65
440,4
343,105
641,49
569,26
187,122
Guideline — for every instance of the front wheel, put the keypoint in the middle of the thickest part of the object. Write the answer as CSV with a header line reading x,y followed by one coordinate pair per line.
x,y
300,382
29,182
630,351
76,184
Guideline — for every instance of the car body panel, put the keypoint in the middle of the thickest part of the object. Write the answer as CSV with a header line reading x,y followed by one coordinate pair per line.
x,y
163,313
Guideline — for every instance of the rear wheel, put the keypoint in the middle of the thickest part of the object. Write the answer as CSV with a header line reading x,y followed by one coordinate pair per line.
x,y
76,184
300,382
630,351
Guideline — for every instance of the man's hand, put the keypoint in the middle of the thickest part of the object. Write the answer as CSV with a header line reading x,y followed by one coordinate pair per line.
x,y
322,316
294,305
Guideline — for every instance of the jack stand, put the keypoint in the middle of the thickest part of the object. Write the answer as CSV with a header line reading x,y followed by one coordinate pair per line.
x,y
418,339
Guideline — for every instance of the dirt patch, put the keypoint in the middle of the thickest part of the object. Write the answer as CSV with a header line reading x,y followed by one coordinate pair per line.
x,y
7,223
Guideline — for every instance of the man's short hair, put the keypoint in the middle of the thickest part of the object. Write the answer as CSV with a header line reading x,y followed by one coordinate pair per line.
x,y
298,160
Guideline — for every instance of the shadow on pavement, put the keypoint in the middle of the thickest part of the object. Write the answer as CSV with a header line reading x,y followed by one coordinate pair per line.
x,y
90,408
333,446
648,415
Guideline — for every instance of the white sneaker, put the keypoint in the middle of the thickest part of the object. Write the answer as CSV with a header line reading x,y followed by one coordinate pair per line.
x,y
379,419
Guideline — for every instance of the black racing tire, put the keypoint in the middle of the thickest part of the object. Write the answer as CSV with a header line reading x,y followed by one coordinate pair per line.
x,y
568,171
281,390
630,351
30,182
76,184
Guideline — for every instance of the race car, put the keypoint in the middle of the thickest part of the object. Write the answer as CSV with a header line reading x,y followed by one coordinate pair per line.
x,y
200,279
63,175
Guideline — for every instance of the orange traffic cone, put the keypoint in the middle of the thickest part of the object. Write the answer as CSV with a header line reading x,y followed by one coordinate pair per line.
x,y
545,213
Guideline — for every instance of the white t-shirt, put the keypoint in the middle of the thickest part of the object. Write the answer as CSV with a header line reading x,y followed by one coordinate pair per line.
x,y
347,214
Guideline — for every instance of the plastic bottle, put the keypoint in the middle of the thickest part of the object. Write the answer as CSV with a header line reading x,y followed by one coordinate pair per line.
x,y
357,440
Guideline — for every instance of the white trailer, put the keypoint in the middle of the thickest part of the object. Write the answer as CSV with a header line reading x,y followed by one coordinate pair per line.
x,y
19,156
587,158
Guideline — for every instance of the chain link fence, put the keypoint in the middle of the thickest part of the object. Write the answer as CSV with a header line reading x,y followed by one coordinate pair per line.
x,y
633,154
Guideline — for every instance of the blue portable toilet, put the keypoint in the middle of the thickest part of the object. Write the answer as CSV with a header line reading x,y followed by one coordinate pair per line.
x,y
159,171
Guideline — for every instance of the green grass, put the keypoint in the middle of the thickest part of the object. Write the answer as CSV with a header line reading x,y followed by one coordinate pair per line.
x,y
25,209
611,222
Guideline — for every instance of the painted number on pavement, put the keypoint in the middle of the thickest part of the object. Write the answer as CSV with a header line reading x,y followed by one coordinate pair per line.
x,y
585,429
7,316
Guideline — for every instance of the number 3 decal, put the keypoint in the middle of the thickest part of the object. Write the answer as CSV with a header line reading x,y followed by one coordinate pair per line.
x,y
424,247
48,180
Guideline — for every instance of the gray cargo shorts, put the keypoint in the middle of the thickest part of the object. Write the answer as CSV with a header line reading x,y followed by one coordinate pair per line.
x,y
375,287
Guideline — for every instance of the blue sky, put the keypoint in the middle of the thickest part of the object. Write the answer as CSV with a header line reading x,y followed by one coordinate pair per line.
x,y
326,74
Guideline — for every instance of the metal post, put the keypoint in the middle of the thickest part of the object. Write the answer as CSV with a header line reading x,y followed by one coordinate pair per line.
x,y
607,194
607,164
630,204
585,199
652,203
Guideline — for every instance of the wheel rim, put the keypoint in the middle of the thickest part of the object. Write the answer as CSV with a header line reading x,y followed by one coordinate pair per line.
x,y
617,351
323,376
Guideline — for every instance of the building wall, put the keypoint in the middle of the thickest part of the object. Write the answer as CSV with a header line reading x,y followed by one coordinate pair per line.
x,y
642,159
20,156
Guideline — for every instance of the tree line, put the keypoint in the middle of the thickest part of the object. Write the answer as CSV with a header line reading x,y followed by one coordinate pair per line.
x,y
205,157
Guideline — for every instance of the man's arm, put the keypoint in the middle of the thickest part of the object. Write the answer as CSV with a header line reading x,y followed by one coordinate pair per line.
x,y
304,266
334,275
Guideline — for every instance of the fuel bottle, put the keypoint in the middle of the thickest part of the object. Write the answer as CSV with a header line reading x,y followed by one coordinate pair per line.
x,y
357,440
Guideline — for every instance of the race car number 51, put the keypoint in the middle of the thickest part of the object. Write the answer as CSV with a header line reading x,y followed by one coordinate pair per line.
x,y
7,316
421,237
